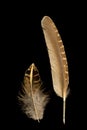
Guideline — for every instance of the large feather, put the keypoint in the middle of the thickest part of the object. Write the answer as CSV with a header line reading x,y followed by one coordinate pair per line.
x,y
58,60
32,98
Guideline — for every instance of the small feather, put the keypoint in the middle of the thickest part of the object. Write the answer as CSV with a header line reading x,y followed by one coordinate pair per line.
x,y
57,57
32,98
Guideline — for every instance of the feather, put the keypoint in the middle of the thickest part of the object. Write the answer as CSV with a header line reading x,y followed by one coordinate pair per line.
x,y
32,98
58,60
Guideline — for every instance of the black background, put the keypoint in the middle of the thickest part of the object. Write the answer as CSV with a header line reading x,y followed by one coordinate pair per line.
x,y
24,43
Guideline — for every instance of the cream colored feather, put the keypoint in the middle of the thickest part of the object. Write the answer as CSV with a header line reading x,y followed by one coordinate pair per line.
x,y
58,60
32,98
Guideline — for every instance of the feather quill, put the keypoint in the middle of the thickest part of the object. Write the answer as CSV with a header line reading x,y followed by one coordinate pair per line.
x,y
58,60
32,97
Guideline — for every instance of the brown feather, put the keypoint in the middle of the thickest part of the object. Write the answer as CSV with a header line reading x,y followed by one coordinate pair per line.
x,y
32,97
57,57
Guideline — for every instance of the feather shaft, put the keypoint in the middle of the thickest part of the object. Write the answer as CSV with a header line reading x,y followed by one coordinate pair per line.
x,y
64,108
31,84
